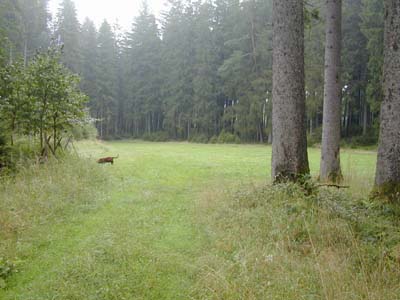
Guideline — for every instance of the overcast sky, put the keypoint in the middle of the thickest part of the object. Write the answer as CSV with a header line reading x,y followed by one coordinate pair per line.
x,y
122,10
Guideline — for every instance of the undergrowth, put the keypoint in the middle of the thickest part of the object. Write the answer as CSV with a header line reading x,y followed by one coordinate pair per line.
x,y
274,242
40,196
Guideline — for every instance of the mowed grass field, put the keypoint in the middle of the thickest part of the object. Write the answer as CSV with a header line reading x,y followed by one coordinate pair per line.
x,y
161,225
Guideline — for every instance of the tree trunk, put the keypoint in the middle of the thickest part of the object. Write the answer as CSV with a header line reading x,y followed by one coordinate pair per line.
x,y
55,134
25,52
261,134
253,36
387,179
11,55
101,123
330,152
289,146
365,118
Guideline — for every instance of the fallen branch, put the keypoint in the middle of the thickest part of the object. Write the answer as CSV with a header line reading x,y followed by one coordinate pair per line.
x,y
334,185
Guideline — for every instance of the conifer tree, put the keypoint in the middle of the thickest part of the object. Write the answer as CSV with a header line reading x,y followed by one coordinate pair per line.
x,y
67,33
289,147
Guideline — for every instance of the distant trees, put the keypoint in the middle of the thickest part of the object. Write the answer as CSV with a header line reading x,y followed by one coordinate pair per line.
x,y
89,62
387,178
203,70
372,28
330,152
23,28
143,76
289,147
67,32
107,88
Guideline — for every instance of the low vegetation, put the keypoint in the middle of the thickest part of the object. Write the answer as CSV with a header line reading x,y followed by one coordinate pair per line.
x,y
193,221
273,242
40,198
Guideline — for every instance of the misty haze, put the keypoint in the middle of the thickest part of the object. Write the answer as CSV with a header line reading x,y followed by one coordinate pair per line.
x,y
199,149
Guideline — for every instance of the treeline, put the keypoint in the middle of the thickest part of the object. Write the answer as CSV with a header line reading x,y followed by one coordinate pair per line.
x,y
204,70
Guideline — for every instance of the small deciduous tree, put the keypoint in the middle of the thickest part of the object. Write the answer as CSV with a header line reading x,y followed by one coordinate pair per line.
x,y
12,97
55,100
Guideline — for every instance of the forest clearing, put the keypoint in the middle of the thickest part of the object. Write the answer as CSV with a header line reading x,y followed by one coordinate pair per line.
x,y
192,221
200,149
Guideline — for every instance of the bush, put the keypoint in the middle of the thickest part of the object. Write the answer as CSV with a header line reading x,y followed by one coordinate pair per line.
x,y
315,138
6,162
370,139
199,138
228,138
213,140
86,131
159,136
6,269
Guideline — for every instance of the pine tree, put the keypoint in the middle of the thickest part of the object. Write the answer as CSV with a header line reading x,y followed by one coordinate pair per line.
x,y
89,62
106,100
179,62
67,34
144,54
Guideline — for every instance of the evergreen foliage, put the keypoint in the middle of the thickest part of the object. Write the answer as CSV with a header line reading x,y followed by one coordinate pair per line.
x,y
203,68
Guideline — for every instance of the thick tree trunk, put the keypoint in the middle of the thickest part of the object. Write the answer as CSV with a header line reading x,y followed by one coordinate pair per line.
x,y
387,178
330,153
289,147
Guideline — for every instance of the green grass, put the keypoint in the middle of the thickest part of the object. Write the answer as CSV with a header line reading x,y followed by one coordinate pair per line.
x,y
187,221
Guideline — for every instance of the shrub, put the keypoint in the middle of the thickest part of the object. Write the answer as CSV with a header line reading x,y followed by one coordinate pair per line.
x,y
228,138
6,269
315,138
199,138
370,139
213,140
159,136
86,131
6,162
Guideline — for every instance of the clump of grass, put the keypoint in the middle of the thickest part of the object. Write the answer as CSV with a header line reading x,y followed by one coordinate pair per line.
x,y
43,195
6,269
274,242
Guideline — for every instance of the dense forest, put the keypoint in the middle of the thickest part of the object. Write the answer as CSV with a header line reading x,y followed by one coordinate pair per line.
x,y
203,70
130,219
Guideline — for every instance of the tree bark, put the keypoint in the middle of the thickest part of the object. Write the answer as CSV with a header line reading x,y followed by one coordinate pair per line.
x,y
387,178
289,146
330,153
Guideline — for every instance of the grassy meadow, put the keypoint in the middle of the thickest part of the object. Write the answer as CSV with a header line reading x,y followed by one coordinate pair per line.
x,y
193,221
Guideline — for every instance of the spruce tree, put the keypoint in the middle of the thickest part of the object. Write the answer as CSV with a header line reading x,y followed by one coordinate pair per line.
x,y
289,147
387,179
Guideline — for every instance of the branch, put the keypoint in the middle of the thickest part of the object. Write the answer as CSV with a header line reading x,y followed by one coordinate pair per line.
x,y
334,185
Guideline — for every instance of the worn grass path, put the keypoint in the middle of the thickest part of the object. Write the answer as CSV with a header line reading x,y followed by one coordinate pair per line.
x,y
144,242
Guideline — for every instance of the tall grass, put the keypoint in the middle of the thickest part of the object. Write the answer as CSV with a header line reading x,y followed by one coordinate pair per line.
x,y
188,221
44,195
274,242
